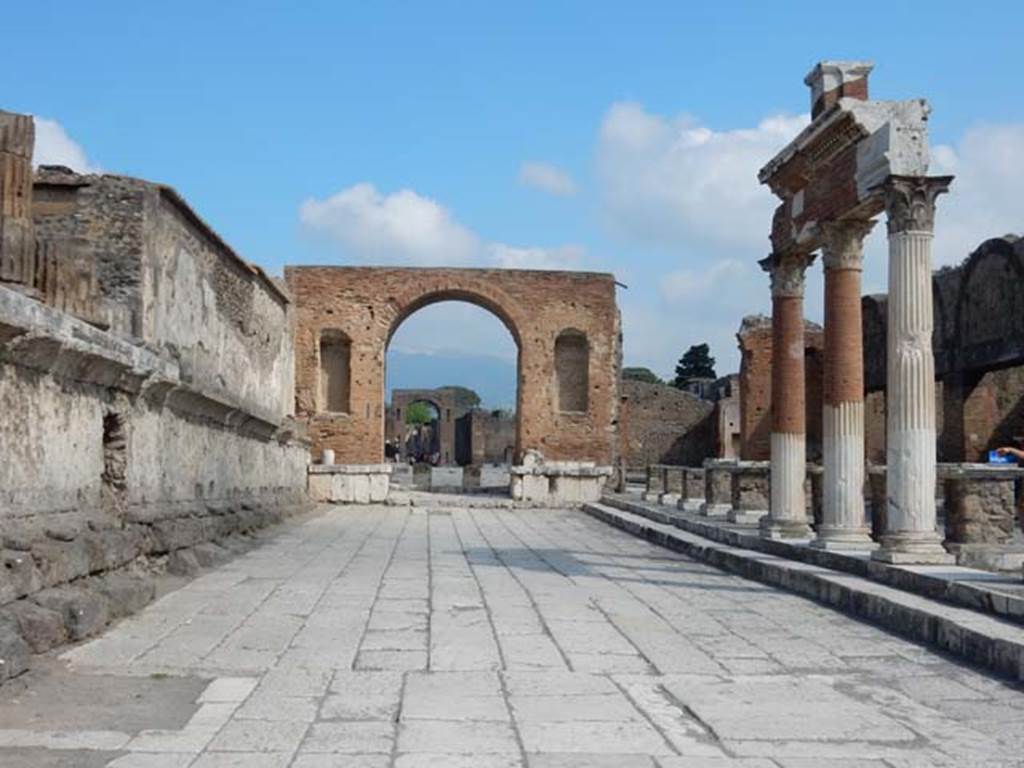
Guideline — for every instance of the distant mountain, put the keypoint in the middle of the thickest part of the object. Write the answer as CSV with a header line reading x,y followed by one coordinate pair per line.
x,y
492,378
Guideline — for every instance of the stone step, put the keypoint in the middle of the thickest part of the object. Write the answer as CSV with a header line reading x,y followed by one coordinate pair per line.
x,y
982,640
998,594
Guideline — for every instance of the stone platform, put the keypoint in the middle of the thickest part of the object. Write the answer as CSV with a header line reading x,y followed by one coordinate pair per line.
x,y
385,637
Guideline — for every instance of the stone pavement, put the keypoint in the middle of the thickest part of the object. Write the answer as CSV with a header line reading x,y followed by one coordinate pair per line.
x,y
412,637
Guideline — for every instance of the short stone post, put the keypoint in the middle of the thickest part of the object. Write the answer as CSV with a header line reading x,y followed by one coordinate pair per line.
x,y
751,492
910,535
981,516
717,487
843,524
655,483
672,483
788,509
693,490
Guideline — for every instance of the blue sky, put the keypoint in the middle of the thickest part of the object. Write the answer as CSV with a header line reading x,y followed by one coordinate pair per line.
x,y
602,136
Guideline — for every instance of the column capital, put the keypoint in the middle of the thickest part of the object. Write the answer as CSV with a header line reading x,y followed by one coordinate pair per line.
x,y
843,246
910,202
787,273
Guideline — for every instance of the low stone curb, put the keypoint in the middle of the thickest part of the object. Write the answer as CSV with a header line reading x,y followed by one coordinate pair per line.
x,y
979,639
934,582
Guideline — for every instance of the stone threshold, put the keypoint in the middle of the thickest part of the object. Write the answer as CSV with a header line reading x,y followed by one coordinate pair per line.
x,y
984,640
998,594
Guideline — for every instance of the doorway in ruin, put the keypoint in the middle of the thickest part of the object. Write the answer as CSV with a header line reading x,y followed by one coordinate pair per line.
x,y
451,383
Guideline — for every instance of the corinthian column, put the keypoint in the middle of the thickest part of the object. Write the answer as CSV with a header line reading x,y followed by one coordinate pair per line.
x,y
787,517
910,535
843,524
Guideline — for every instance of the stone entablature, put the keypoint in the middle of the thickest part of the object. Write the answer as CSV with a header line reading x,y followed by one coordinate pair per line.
x,y
349,483
559,483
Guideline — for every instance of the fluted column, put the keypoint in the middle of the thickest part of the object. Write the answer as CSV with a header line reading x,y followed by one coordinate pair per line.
x,y
910,535
787,516
843,524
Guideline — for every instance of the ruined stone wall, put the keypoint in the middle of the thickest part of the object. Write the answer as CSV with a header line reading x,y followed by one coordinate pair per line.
x,y
135,441
755,343
979,354
367,305
666,425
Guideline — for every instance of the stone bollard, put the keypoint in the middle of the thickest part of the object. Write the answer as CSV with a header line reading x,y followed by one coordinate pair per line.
x,y
717,487
655,482
981,515
672,483
693,490
751,492
327,456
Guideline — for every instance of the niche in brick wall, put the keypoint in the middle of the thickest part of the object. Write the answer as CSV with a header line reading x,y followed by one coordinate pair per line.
x,y
335,372
572,371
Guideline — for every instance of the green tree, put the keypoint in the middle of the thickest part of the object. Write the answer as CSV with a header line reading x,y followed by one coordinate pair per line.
x,y
696,363
418,414
465,398
641,374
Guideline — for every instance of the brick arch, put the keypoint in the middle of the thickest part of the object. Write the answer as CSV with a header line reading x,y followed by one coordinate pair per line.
x,y
370,303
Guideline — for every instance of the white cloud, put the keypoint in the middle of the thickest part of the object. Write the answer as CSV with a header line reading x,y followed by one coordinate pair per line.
x,y
402,227
985,198
679,184
561,257
55,147
548,178
701,284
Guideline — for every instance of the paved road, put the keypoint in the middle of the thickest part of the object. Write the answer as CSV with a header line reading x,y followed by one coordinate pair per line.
x,y
486,638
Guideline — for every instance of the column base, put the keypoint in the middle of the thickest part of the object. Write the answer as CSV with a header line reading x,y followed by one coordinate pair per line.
x,y
839,539
913,548
668,499
747,516
784,529
650,496
693,506
715,510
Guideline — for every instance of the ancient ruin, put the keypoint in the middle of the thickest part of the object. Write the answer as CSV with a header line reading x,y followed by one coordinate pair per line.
x,y
751,569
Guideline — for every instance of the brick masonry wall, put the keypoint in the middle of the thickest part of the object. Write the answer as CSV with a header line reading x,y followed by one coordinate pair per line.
x,y
665,425
755,342
368,304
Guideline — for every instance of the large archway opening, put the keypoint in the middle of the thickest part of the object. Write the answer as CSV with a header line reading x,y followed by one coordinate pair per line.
x,y
458,359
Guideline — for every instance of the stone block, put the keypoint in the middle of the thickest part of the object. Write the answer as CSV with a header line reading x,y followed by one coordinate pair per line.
x,y
84,612
182,562
445,477
492,476
14,651
21,575
42,628
61,561
126,593
209,554
751,492
350,483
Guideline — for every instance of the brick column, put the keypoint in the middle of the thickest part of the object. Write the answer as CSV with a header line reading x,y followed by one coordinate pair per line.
x,y
843,524
17,238
910,535
787,517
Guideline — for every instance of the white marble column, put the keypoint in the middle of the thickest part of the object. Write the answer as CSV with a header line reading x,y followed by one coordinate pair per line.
x,y
910,535
787,516
843,524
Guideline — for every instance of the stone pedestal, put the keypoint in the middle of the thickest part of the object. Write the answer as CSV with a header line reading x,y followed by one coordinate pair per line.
x,y
349,483
981,516
751,492
672,482
910,535
788,508
560,483
717,487
693,490
843,524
